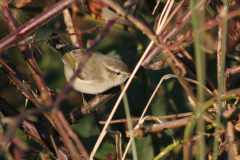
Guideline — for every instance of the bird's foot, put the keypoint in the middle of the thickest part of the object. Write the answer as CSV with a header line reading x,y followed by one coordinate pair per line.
x,y
87,106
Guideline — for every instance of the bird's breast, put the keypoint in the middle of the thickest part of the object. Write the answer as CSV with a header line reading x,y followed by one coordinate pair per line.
x,y
87,86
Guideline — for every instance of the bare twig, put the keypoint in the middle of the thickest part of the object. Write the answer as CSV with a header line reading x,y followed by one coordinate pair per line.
x,y
59,36
143,131
212,23
149,118
70,27
79,42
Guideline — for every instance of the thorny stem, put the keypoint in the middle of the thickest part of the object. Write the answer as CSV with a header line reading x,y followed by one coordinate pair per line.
x,y
21,83
27,55
55,37
33,130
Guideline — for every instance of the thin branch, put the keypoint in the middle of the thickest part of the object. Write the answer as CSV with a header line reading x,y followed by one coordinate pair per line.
x,y
149,118
70,27
55,37
143,131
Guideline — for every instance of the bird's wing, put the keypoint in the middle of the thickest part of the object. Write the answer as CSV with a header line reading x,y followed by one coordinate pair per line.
x,y
90,70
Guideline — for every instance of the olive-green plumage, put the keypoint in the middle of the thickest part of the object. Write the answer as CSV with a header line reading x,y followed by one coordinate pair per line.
x,y
98,74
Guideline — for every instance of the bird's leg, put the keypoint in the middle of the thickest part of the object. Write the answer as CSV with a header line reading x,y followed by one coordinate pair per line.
x,y
86,105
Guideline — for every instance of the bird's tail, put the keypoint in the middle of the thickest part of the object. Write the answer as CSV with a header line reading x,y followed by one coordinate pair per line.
x,y
60,44
64,49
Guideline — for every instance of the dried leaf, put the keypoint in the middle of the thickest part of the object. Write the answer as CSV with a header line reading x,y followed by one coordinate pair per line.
x,y
22,3
94,9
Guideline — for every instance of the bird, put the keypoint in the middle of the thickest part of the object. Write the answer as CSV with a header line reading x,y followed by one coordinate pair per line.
x,y
99,73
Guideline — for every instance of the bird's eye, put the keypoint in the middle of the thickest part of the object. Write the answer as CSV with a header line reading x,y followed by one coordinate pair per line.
x,y
118,73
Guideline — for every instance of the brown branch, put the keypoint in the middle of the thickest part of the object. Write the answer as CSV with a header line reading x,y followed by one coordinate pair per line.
x,y
212,23
19,81
55,37
34,130
8,68
79,42
74,136
151,118
70,28
144,131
